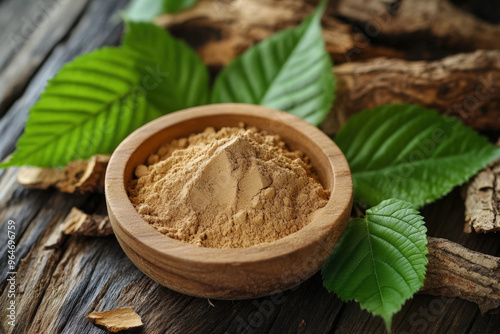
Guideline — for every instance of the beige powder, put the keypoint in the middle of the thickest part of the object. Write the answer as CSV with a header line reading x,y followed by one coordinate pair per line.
x,y
227,189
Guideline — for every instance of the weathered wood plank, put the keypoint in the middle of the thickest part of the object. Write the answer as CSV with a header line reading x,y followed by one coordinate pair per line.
x,y
38,264
94,30
63,278
89,265
93,274
18,21
27,207
58,18
18,212
485,325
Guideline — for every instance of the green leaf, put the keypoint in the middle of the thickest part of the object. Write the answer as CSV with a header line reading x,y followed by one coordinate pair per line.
x,y
88,108
147,10
289,71
97,100
380,260
175,6
183,72
411,153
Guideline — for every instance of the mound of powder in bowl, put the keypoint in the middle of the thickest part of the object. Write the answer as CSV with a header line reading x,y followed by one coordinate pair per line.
x,y
230,188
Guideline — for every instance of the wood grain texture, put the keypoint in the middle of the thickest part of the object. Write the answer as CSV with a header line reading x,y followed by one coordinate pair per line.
x,y
465,85
234,273
74,276
18,21
82,275
33,41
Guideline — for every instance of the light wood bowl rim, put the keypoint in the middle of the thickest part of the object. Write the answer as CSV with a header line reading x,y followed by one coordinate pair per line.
x,y
129,226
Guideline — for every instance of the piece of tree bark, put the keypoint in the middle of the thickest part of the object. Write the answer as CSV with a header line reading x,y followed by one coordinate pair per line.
x,y
78,222
455,271
466,86
116,320
92,225
219,30
437,22
38,178
81,176
482,201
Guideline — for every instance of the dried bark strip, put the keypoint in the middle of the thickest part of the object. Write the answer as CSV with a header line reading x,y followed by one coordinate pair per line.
x,y
38,178
80,177
464,85
455,271
116,320
482,201
220,30
93,225
438,20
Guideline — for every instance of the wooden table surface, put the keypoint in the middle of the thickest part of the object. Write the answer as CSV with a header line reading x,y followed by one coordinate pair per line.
x,y
62,279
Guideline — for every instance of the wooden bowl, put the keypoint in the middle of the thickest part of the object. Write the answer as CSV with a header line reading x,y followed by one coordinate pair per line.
x,y
236,273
